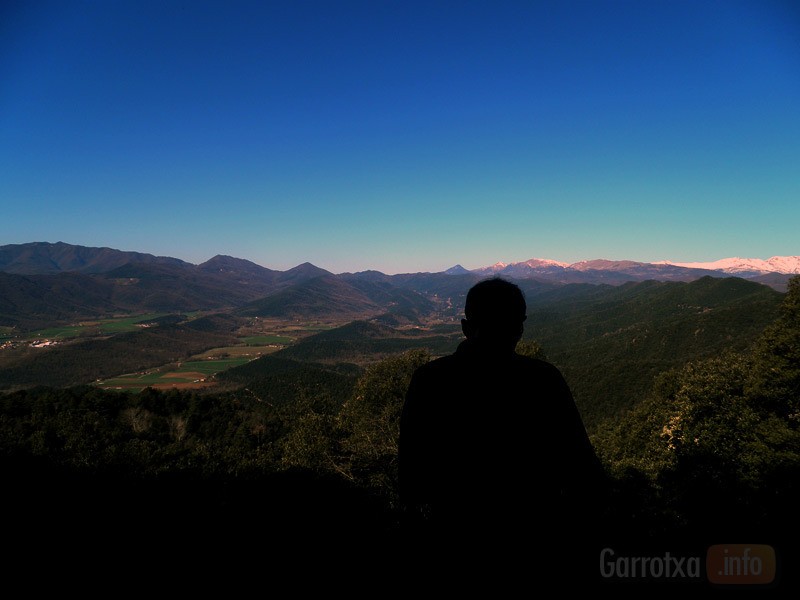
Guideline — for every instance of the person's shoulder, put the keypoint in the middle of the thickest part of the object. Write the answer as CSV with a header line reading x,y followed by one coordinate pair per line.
x,y
437,365
437,370
433,374
538,365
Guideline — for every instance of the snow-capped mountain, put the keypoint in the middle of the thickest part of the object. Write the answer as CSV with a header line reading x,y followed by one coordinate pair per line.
x,y
606,265
776,264
774,271
495,268
527,268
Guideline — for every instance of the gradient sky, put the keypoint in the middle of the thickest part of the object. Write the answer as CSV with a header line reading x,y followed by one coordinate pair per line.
x,y
403,136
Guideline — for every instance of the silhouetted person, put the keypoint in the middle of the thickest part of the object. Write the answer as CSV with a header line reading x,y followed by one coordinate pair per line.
x,y
493,452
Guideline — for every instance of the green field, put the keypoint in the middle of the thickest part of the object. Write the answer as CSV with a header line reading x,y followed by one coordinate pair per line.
x,y
126,324
134,382
50,333
234,351
317,327
101,326
188,374
209,367
260,340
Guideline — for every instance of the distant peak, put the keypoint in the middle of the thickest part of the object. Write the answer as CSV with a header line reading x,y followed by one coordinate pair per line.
x,y
306,270
541,262
736,264
306,266
219,258
227,258
456,270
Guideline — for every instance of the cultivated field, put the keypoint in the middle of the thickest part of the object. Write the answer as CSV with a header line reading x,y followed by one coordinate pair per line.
x,y
195,373
99,327
265,340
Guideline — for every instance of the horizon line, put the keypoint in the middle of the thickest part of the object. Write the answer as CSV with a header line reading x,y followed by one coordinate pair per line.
x,y
458,264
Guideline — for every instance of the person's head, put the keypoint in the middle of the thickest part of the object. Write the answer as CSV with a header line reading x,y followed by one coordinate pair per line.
x,y
495,312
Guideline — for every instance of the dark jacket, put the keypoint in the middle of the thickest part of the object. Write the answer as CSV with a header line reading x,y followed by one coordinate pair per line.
x,y
494,446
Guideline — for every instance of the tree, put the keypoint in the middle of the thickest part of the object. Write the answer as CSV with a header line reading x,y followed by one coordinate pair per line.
x,y
720,438
530,349
775,384
369,422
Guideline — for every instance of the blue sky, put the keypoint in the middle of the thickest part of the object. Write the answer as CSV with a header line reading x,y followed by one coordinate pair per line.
x,y
403,136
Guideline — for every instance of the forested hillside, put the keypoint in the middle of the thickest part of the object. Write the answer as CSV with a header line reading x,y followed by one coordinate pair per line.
x,y
610,342
711,453
718,440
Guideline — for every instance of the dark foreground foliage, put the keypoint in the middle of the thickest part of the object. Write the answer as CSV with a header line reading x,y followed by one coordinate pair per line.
x,y
712,456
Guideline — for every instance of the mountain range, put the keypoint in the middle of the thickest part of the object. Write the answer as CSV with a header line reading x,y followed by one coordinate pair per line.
x,y
44,283
612,271
37,258
609,340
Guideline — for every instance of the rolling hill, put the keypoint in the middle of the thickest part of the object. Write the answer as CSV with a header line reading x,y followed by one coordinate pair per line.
x,y
329,296
38,258
610,341
30,301
364,342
